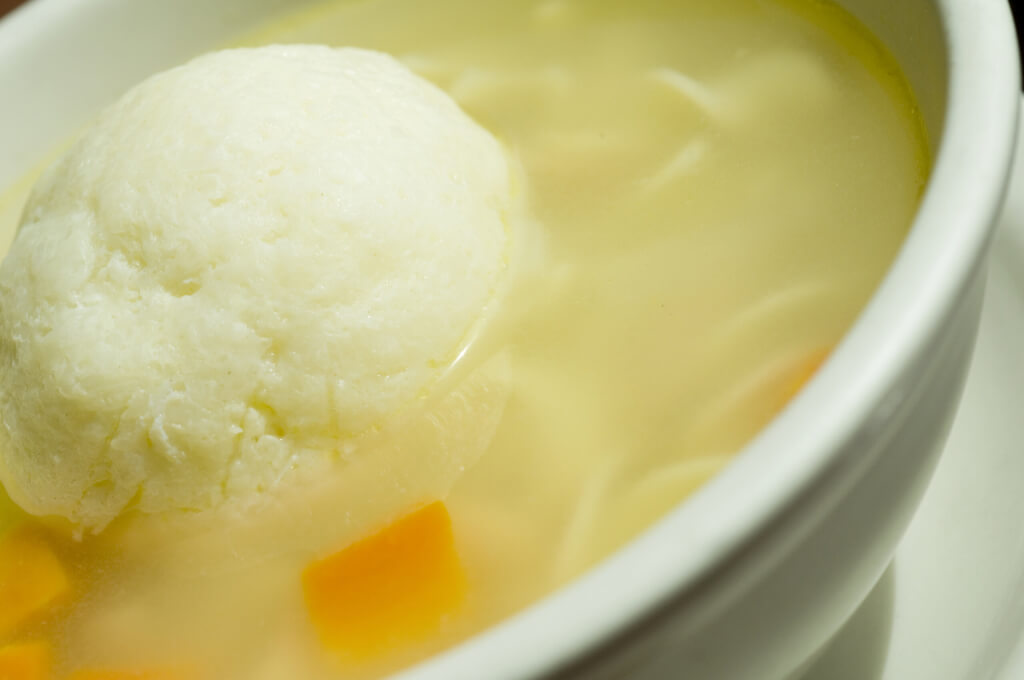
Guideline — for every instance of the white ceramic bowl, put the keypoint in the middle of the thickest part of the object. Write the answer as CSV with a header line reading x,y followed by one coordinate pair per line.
x,y
755,573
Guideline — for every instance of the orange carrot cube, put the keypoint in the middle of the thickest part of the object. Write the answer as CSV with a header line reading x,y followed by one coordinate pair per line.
x,y
31,577
25,661
123,675
801,374
389,589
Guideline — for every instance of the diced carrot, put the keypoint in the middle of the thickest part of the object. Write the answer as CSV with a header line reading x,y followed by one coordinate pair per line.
x,y
389,589
31,577
25,661
798,377
91,674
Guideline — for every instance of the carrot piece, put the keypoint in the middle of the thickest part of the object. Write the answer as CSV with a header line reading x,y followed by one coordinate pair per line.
x,y
394,587
801,374
92,674
25,661
31,577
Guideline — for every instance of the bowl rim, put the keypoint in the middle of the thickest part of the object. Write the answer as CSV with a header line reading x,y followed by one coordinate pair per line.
x,y
812,436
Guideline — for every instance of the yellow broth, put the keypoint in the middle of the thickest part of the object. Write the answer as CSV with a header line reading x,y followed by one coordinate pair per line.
x,y
718,186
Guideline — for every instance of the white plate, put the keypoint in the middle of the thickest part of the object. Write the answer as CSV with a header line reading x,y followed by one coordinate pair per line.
x,y
952,605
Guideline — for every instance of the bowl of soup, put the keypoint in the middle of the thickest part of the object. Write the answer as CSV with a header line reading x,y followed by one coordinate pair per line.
x,y
679,431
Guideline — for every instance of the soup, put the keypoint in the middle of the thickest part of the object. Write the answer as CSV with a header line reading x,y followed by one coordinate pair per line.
x,y
716,188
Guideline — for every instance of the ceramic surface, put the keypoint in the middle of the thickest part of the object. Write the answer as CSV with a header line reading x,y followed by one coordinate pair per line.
x,y
951,606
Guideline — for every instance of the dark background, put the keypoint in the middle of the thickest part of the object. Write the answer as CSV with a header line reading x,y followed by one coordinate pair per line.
x,y
7,5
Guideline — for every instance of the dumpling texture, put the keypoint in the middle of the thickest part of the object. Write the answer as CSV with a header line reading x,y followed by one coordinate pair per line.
x,y
244,263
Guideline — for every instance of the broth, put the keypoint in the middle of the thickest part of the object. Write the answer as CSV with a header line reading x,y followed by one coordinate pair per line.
x,y
718,186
